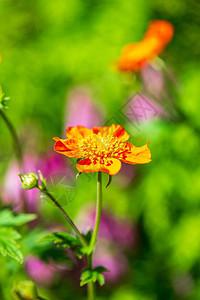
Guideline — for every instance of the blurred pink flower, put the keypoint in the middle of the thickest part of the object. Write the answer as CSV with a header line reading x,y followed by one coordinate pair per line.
x,y
125,176
153,80
141,109
54,165
112,259
13,194
42,273
51,166
115,237
81,109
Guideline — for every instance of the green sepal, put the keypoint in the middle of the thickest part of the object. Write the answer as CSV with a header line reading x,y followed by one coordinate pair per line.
x,y
42,187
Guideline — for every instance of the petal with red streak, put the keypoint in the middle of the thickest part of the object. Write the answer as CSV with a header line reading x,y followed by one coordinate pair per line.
x,y
114,130
68,147
110,166
136,155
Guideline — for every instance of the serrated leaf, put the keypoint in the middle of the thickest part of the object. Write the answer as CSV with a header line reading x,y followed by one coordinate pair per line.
x,y
101,279
8,244
65,240
93,275
61,238
7,218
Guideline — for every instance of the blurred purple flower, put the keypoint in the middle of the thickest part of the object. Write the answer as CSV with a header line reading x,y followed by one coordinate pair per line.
x,y
112,229
112,259
140,109
42,273
81,109
13,194
51,166
54,165
126,175
153,80
115,237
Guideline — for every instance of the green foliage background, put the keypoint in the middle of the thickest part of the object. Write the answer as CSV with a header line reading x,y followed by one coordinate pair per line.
x,y
47,48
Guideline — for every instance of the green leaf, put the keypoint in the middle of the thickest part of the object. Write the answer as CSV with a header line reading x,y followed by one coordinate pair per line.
x,y
8,244
93,275
88,236
7,218
66,240
87,249
62,239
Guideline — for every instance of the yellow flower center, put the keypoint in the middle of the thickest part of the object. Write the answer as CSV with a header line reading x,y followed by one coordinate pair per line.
x,y
101,147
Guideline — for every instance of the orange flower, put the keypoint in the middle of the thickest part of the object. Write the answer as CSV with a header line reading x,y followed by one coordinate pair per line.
x,y
134,56
101,149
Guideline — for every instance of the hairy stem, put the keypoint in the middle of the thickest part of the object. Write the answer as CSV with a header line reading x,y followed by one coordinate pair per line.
x,y
69,220
16,143
91,295
98,211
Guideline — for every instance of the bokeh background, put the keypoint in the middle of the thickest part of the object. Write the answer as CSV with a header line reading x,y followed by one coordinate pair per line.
x,y
58,70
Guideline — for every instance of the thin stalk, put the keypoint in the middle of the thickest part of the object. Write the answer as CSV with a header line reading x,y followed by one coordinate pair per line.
x,y
90,286
90,289
91,294
69,220
16,143
98,212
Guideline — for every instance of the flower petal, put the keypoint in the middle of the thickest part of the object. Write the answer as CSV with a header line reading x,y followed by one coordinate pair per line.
x,y
78,132
114,130
136,55
68,147
162,30
110,166
136,155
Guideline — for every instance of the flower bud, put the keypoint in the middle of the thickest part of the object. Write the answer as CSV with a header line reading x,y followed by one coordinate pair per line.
x,y
29,181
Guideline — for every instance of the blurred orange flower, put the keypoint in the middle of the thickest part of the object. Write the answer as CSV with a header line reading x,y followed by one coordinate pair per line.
x,y
102,148
134,56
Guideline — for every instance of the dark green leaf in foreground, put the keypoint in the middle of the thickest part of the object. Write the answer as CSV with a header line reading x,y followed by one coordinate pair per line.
x,y
8,244
93,275
64,240
7,218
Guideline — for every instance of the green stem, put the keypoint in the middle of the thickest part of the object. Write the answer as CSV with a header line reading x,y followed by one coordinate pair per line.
x,y
69,220
98,211
14,136
91,295
90,286
90,289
